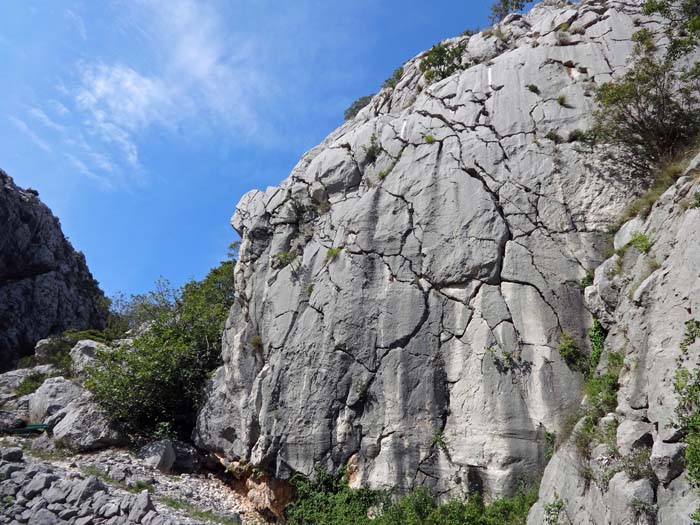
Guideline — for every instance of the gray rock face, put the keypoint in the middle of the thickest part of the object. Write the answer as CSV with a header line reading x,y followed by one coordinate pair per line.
x,y
645,301
159,455
83,355
84,427
402,295
53,395
45,285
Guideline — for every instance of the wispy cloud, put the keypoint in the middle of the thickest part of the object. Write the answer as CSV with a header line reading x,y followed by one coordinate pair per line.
x,y
24,128
44,119
80,166
78,22
200,78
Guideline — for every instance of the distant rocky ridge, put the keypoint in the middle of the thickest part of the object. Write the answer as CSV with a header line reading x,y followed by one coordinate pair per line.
x,y
403,294
45,285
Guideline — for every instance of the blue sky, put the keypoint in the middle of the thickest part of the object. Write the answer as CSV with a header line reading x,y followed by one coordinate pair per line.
x,y
142,122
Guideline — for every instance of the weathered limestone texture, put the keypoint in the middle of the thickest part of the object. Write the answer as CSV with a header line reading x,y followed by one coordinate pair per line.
x,y
646,300
45,285
402,295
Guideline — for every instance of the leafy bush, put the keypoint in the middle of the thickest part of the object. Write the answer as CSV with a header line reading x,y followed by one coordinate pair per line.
x,y
637,465
665,177
356,106
554,137
601,393
161,379
429,139
30,384
328,500
283,259
533,89
695,201
372,151
651,112
442,61
684,30
553,510
502,8
596,335
641,242
394,79
578,136
587,280
572,355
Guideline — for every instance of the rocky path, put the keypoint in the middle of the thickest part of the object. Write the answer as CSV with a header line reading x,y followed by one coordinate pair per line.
x,y
110,487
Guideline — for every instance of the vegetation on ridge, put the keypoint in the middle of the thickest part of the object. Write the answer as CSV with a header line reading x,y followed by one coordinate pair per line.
x,y
158,383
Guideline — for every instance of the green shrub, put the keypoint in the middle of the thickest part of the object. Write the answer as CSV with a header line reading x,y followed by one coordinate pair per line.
x,y
357,106
684,30
641,242
572,355
695,201
285,259
554,137
637,465
502,8
587,280
596,336
664,178
328,500
533,88
692,333
30,384
332,254
442,61
578,135
394,79
372,151
645,113
561,100
161,380
553,510
429,139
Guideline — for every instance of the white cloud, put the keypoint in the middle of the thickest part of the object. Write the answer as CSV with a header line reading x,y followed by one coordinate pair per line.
x,y
197,76
119,95
78,22
42,117
58,108
24,128
80,166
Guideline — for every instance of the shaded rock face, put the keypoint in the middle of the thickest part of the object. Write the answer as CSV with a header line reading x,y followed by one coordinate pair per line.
x,y
402,295
646,301
45,285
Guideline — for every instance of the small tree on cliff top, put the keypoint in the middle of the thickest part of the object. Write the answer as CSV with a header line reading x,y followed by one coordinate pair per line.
x,y
502,8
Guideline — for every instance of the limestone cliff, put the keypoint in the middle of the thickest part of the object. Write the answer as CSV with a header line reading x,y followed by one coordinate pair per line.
x,y
646,300
45,285
402,295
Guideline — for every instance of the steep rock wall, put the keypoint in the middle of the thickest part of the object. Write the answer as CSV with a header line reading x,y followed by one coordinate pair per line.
x,y
645,300
400,315
45,285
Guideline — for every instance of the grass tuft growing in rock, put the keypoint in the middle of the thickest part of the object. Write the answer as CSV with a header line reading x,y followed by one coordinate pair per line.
x,y
332,254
